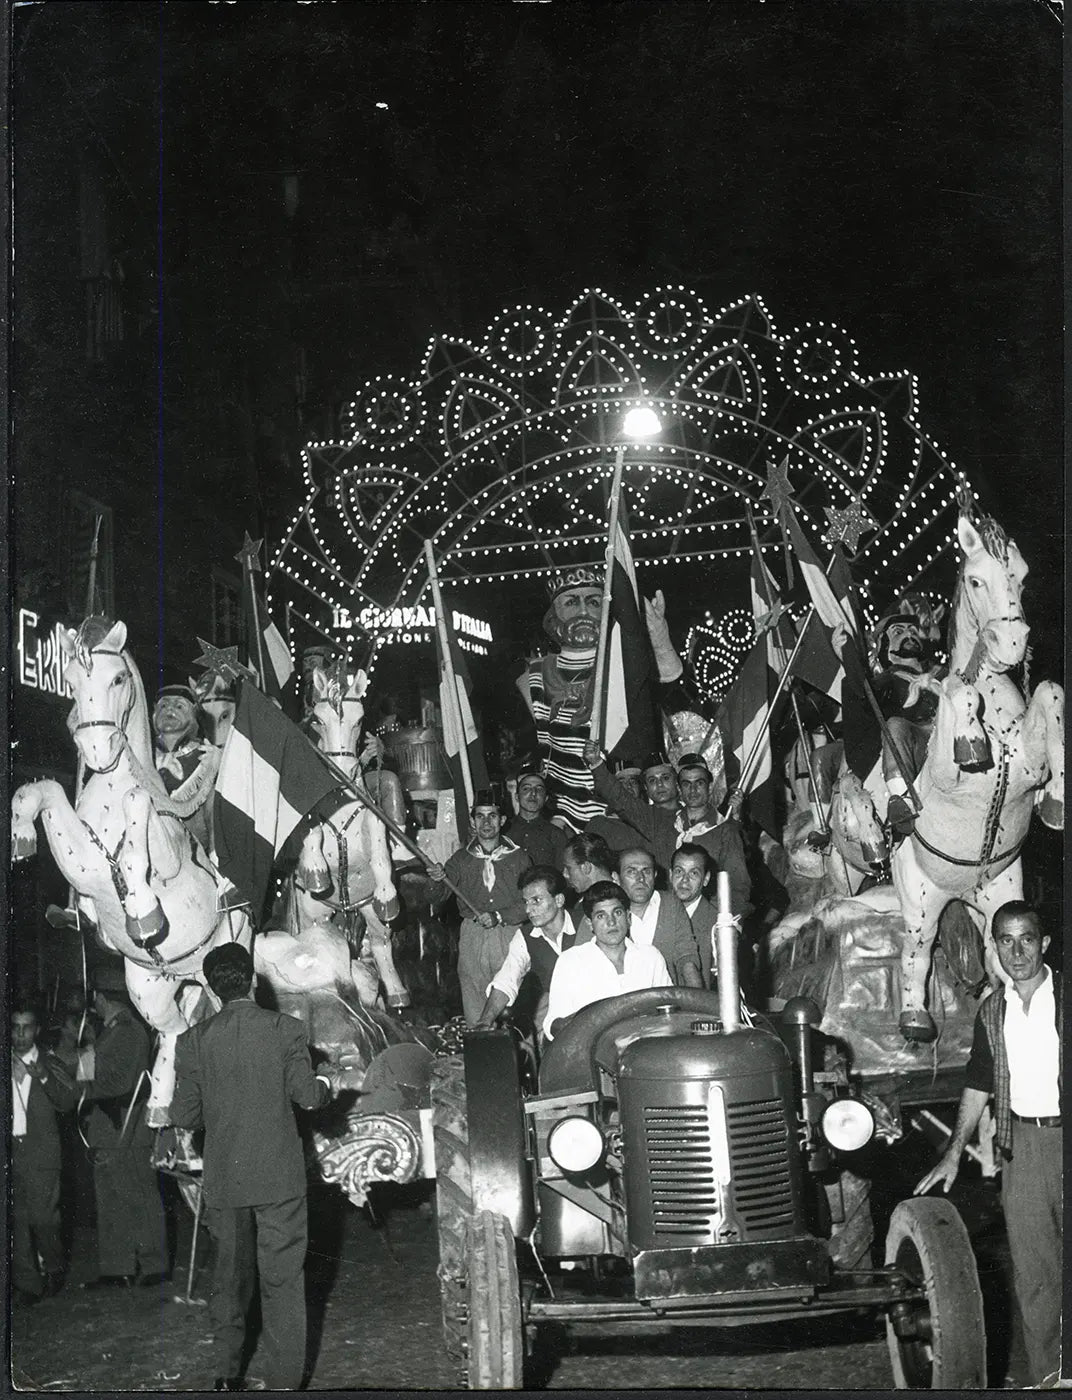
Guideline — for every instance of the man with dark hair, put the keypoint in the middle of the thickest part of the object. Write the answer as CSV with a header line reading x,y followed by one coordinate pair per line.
x,y
40,1087
131,1231
658,918
587,859
608,966
679,811
530,829
524,979
239,1075
690,871
1016,1057
486,871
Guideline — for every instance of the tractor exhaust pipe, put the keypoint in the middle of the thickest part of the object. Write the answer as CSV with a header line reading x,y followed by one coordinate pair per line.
x,y
725,933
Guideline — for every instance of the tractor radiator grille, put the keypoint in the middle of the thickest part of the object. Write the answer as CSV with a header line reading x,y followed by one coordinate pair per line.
x,y
684,1195
759,1158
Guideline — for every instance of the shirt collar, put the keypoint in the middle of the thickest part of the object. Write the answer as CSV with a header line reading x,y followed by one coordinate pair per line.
x,y
504,848
30,1058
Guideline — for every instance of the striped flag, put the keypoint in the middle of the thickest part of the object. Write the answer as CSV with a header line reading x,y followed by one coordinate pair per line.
x,y
278,663
629,724
461,739
271,779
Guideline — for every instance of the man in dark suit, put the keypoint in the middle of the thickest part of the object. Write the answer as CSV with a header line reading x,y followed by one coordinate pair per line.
x,y
239,1075
689,875
39,1087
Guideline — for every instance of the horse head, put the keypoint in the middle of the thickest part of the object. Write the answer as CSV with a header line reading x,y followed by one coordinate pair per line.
x,y
987,625
109,702
337,712
215,704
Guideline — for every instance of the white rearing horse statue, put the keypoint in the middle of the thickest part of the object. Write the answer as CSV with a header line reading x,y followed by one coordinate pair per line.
x,y
989,761
345,864
138,873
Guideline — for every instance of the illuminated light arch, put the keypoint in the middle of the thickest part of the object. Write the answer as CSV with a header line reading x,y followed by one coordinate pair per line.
x,y
501,452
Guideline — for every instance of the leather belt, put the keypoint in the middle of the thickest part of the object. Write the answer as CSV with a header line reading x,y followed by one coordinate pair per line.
x,y
1054,1122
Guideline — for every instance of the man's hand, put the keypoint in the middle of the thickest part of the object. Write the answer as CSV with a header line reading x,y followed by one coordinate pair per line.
x,y
486,920
36,1071
486,1023
436,872
946,1172
592,753
373,750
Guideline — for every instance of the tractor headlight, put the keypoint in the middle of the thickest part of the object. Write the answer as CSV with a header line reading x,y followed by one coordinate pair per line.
x,y
575,1144
847,1124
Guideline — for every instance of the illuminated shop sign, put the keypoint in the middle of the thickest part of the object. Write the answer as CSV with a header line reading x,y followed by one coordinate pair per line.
x,y
40,659
408,626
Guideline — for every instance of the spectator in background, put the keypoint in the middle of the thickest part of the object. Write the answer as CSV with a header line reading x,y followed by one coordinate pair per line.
x,y
544,842
114,1073
689,876
486,871
587,859
1016,1058
610,827
40,1088
658,918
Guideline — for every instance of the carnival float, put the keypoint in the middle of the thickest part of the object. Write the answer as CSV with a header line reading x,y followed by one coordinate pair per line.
x,y
500,464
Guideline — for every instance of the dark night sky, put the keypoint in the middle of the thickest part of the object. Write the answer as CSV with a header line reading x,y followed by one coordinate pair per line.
x,y
891,167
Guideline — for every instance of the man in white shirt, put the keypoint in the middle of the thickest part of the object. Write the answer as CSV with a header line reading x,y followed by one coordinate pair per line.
x,y
1016,1056
534,950
610,965
658,917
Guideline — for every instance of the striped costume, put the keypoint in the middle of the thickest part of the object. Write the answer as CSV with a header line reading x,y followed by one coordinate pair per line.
x,y
560,692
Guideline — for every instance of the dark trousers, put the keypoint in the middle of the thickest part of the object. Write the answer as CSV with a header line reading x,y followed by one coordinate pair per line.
x,y
271,1240
35,1207
131,1230
1031,1197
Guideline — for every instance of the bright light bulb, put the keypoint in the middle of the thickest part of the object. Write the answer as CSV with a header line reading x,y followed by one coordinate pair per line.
x,y
642,423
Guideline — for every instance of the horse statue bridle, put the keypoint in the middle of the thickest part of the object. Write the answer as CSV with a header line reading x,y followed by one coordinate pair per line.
x,y
85,657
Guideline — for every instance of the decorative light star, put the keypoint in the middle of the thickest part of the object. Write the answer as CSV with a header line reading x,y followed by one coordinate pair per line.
x,y
846,526
765,622
778,491
249,555
223,660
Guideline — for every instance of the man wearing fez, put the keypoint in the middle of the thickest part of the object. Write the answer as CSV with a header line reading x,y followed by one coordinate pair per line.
x,y
187,764
558,688
491,905
542,839
679,810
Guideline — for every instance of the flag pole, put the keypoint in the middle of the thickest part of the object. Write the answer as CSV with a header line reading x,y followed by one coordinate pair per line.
x,y
746,770
247,569
599,688
452,688
820,810
396,831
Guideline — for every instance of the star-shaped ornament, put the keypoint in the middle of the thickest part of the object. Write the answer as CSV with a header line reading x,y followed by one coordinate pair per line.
x,y
765,622
846,526
777,490
223,660
249,556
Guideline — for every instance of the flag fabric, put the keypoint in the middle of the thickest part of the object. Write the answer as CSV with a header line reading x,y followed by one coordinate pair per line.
x,y
460,734
845,677
271,779
278,663
629,718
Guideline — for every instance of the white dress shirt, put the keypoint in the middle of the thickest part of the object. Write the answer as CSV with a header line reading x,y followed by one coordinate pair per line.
x,y
584,974
516,964
20,1094
642,926
1032,1049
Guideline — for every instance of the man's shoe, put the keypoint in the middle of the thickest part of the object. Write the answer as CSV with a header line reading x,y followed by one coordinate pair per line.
x,y
227,1383
153,1280
53,1284
112,1281
23,1299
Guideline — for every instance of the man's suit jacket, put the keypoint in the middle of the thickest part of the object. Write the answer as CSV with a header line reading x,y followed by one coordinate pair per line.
x,y
674,937
239,1075
703,926
41,1146
121,1055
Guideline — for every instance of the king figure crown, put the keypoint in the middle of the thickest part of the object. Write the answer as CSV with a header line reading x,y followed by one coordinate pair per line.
x,y
575,576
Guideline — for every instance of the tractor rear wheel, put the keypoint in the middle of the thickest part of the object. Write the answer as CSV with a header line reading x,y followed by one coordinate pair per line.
x,y
937,1342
